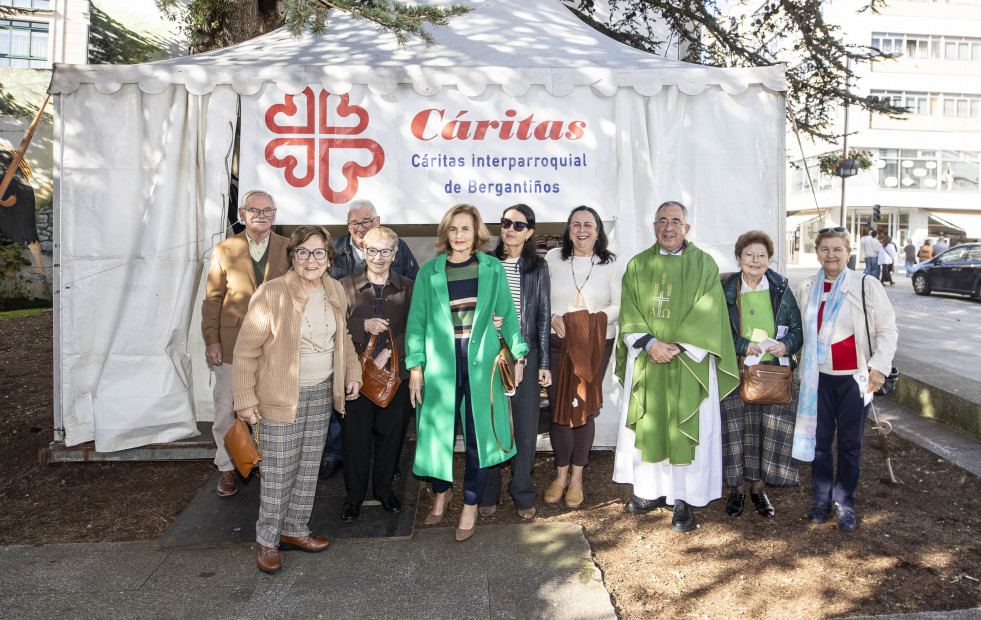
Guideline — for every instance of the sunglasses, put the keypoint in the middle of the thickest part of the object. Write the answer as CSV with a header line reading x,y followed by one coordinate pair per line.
x,y
833,228
518,226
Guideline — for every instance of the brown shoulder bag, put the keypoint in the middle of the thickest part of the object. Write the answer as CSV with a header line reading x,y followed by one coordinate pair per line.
x,y
380,384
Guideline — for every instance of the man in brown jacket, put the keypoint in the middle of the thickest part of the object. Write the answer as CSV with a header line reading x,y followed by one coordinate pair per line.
x,y
239,265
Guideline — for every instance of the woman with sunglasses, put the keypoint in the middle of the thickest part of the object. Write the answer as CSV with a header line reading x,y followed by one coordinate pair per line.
x,y
766,324
528,282
451,347
585,295
850,339
293,363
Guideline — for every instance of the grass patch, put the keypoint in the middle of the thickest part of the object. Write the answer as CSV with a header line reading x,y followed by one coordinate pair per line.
x,y
16,314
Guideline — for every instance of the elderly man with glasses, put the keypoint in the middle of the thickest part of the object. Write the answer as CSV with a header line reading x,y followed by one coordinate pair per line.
x,y
239,265
361,217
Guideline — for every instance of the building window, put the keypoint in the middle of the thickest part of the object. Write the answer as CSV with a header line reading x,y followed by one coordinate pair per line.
x,y
23,44
962,105
27,4
912,169
928,46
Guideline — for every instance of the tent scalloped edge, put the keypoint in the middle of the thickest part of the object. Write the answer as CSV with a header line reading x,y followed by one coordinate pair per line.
x,y
472,82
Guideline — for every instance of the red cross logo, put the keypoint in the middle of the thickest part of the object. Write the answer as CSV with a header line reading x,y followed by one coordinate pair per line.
x,y
308,128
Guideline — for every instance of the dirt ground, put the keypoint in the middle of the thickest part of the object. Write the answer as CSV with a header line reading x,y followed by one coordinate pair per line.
x,y
917,548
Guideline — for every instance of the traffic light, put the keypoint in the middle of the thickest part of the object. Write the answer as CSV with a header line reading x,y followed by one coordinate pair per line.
x,y
876,213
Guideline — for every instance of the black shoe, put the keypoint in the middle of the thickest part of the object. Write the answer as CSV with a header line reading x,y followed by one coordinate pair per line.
x,y
846,519
763,506
350,512
391,504
819,513
329,466
684,517
736,503
641,506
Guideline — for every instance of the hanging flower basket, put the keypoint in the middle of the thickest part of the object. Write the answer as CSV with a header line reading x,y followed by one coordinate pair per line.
x,y
836,164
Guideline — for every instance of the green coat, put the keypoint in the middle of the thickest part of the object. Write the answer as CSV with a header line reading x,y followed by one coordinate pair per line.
x,y
429,342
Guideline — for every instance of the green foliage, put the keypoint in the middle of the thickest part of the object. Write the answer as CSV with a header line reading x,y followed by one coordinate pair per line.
x,y
17,314
829,162
401,19
793,32
12,258
110,42
200,20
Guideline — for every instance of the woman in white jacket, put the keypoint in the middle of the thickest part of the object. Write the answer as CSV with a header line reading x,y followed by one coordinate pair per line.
x,y
850,338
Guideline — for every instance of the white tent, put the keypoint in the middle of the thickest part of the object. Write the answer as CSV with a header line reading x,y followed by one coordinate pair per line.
x,y
143,156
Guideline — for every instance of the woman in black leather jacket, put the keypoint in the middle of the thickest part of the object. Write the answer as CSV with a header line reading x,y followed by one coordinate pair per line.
x,y
529,282
757,439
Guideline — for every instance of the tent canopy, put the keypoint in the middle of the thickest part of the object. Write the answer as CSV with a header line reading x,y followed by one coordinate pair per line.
x,y
512,43
143,165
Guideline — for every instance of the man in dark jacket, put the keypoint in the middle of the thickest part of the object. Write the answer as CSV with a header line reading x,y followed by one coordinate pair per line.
x,y
361,217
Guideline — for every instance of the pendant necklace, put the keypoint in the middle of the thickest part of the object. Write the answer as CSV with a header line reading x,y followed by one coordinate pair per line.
x,y
310,327
578,301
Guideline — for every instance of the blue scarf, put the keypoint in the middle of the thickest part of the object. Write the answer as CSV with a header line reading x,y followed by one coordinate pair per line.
x,y
815,355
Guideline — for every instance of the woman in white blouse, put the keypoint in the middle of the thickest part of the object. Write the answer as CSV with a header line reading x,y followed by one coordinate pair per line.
x,y
583,276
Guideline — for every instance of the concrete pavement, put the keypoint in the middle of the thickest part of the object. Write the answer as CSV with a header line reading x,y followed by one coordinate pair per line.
x,y
503,572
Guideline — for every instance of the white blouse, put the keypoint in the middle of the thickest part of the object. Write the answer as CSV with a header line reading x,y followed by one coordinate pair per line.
x,y
600,291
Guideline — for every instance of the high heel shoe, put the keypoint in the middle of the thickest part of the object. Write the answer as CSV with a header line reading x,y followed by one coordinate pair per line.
x,y
432,518
464,534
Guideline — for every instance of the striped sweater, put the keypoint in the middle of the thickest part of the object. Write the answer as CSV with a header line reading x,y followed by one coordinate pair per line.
x,y
461,282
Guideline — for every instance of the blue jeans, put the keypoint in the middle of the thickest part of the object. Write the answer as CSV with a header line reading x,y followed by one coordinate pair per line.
x,y
909,268
872,267
841,410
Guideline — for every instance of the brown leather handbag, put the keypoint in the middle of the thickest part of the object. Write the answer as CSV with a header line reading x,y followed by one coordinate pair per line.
x,y
762,384
243,445
765,384
380,384
504,366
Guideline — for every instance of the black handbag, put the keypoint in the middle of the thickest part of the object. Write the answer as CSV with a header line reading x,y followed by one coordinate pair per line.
x,y
889,385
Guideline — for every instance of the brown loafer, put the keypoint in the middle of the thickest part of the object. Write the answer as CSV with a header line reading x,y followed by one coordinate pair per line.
x,y
309,543
554,492
268,559
487,511
573,496
527,513
227,484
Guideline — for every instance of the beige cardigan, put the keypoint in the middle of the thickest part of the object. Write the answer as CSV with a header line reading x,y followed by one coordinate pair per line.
x,y
882,319
266,369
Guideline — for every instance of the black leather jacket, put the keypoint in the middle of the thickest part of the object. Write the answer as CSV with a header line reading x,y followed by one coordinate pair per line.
x,y
347,263
536,308
785,312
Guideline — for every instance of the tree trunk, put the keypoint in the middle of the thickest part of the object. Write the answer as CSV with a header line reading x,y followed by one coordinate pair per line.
x,y
246,19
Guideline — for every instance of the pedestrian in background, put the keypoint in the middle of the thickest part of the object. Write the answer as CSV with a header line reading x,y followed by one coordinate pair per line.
x,y
887,259
757,439
850,339
909,252
529,283
941,245
870,251
926,251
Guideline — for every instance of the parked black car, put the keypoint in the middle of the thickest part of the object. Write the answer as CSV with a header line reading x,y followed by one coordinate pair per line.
x,y
958,270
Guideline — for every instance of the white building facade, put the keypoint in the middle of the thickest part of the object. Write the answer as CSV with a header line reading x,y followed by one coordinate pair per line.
x,y
925,175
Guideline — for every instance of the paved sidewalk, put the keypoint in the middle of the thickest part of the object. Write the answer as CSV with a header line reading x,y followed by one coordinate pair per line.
x,y
505,571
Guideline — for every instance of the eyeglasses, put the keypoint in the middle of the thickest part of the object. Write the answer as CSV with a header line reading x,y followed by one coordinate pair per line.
x,y
365,223
518,226
665,223
373,252
833,228
267,212
759,257
303,254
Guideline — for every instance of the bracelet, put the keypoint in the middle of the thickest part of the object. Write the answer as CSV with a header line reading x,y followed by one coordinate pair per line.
x,y
521,361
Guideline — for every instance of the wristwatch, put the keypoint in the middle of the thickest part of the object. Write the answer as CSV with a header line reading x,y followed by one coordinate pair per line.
x,y
521,360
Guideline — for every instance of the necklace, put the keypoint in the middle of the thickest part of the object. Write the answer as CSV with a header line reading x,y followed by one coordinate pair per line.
x,y
310,327
578,301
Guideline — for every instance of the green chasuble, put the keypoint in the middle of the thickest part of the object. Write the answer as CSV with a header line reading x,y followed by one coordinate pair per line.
x,y
678,299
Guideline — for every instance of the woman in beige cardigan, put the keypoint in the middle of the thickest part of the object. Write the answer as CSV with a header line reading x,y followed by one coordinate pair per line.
x,y
294,362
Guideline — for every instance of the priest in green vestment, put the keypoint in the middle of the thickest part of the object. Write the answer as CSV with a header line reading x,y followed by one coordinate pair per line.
x,y
676,359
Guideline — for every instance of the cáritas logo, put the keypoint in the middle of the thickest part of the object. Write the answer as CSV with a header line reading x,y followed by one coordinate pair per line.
x,y
317,140
431,124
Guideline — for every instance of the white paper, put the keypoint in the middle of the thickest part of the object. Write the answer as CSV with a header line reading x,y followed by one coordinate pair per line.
x,y
781,331
753,360
862,379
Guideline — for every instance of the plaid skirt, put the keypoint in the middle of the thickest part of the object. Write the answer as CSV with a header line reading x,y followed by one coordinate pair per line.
x,y
757,441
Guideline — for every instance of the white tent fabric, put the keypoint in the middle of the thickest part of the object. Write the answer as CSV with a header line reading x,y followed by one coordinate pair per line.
x,y
144,170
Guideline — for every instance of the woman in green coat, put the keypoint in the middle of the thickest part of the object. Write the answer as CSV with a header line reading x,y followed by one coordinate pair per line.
x,y
451,344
